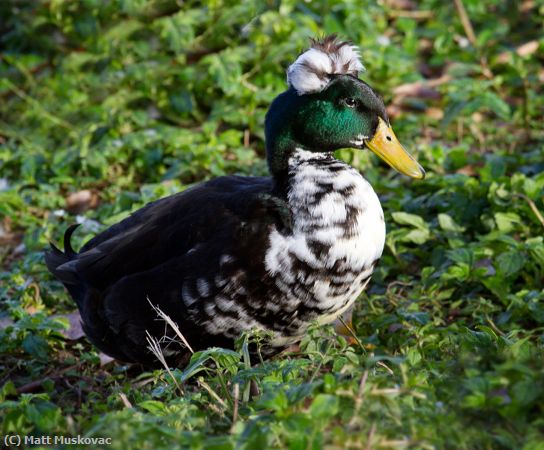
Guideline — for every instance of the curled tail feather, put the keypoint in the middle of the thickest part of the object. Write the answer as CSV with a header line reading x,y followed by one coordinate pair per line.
x,y
67,238
58,263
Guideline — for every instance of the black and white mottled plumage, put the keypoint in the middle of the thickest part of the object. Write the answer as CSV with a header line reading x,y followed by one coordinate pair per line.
x,y
237,253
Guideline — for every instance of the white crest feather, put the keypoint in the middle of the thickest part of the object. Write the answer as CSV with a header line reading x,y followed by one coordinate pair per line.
x,y
312,70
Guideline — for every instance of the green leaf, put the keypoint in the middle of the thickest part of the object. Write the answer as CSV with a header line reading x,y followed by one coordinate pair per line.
x,y
413,357
224,359
275,400
417,236
448,224
404,218
507,222
154,406
510,263
36,346
324,406
536,249
461,255
497,105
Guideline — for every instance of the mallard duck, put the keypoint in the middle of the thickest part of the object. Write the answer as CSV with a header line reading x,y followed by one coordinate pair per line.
x,y
238,253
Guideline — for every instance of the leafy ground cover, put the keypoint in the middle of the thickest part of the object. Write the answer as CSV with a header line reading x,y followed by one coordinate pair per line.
x,y
108,105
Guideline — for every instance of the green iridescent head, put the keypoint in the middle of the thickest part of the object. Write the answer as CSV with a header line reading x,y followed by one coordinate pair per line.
x,y
327,107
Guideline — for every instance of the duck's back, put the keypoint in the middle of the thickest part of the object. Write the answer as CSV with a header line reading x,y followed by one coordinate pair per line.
x,y
171,227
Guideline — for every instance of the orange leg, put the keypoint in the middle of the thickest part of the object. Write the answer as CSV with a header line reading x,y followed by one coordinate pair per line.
x,y
344,327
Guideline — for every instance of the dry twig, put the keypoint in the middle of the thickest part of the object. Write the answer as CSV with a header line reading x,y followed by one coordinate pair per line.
x,y
155,348
359,398
236,395
172,324
125,400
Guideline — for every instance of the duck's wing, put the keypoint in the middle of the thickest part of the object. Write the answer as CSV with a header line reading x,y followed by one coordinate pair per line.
x,y
171,227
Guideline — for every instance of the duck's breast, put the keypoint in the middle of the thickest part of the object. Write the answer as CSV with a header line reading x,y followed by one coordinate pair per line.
x,y
338,235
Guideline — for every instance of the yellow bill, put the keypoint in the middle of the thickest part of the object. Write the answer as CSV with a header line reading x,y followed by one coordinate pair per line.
x,y
386,145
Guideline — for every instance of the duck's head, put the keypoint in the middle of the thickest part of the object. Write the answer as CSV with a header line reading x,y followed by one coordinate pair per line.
x,y
327,107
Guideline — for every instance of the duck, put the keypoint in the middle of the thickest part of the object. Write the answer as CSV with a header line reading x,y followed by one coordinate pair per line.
x,y
241,253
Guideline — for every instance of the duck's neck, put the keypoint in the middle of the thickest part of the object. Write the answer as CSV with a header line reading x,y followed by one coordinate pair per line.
x,y
280,141
286,178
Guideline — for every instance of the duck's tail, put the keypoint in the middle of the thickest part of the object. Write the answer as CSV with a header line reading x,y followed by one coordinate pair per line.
x,y
62,266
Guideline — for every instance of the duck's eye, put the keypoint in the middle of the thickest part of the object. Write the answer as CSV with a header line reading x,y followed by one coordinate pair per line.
x,y
350,102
